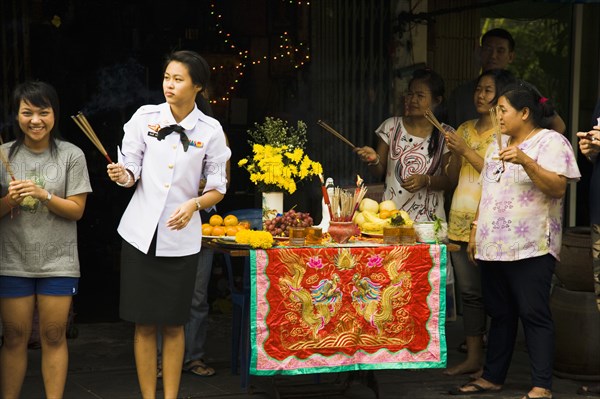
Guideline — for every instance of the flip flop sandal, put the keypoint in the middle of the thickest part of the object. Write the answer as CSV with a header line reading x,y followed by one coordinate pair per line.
x,y
478,389
199,368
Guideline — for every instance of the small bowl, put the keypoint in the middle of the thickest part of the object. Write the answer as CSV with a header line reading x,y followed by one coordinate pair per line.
x,y
425,232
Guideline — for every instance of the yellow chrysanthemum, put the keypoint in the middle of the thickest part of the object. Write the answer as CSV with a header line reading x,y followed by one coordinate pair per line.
x,y
279,160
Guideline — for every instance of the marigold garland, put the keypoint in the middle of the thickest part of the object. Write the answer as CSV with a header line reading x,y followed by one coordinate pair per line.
x,y
255,238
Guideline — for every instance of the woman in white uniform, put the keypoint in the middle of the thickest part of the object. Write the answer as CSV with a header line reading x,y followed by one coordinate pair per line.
x,y
164,151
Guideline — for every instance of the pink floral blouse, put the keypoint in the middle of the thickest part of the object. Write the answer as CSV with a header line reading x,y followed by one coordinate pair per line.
x,y
516,219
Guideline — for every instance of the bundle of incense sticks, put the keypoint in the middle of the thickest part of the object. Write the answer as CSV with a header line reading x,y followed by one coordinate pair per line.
x,y
496,126
335,133
344,203
85,126
6,162
433,120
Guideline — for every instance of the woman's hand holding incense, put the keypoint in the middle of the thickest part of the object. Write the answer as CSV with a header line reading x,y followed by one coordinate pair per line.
x,y
19,189
118,173
14,196
456,143
366,154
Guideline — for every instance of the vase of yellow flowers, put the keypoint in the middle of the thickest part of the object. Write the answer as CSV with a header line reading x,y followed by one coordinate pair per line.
x,y
278,160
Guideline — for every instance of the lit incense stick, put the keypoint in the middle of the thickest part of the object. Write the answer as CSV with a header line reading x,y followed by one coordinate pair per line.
x,y
335,133
85,126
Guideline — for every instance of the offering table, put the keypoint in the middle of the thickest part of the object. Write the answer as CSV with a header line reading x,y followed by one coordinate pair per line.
x,y
335,308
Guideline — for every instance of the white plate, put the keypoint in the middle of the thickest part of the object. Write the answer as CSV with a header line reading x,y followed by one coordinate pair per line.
x,y
226,238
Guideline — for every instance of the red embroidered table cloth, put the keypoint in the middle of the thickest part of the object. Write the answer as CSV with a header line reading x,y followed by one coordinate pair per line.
x,y
332,309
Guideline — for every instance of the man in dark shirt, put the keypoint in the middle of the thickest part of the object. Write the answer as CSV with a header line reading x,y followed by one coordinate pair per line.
x,y
589,144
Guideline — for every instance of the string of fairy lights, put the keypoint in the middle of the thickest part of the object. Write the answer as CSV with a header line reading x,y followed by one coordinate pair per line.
x,y
296,56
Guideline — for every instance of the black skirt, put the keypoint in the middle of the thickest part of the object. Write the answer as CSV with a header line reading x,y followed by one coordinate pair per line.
x,y
156,290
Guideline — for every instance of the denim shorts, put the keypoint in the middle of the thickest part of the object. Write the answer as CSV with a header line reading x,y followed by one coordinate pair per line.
x,y
14,287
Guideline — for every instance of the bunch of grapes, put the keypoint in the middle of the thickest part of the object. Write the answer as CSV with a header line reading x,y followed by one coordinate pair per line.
x,y
278,226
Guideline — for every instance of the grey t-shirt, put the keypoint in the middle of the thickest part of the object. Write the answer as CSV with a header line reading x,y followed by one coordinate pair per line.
x,y
33,241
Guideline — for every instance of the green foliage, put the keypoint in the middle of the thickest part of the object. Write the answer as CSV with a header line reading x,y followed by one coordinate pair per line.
x,y
277,133
397,220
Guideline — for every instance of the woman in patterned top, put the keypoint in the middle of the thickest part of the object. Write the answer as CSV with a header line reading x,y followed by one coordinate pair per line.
x,y
516,236
412,154
469,146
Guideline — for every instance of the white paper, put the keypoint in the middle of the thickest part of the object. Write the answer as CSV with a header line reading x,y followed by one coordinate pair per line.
x,y
119,155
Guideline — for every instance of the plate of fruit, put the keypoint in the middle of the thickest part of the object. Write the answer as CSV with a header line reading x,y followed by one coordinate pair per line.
x,y
371,217
220,227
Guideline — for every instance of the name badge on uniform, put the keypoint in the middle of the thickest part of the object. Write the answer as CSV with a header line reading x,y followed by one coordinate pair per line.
x,y
153,130
197,144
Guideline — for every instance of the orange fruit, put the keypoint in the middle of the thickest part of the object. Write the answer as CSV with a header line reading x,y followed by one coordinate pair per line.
x,y
240,227
384,214
231,230
244,224
218,231
207,229
230,220
215,220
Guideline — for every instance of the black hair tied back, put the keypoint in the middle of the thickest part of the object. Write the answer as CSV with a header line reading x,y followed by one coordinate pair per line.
x,y
523,94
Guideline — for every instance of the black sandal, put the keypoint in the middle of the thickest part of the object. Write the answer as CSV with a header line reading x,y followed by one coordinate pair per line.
x,y
478,390
199,368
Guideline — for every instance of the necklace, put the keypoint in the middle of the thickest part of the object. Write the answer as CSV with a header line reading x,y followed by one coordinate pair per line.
x,y
526,137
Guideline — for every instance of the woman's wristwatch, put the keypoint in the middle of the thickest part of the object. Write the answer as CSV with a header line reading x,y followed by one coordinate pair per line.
x,y
47,199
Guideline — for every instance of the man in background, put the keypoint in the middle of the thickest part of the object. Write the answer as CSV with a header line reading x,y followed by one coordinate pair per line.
x,y
497,51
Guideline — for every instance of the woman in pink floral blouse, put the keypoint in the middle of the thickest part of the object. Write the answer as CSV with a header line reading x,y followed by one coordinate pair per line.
x,y
516,236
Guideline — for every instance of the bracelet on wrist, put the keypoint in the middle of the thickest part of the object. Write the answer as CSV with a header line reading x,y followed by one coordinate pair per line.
x,y
126,184
376,162
198,205
10,206
474,224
